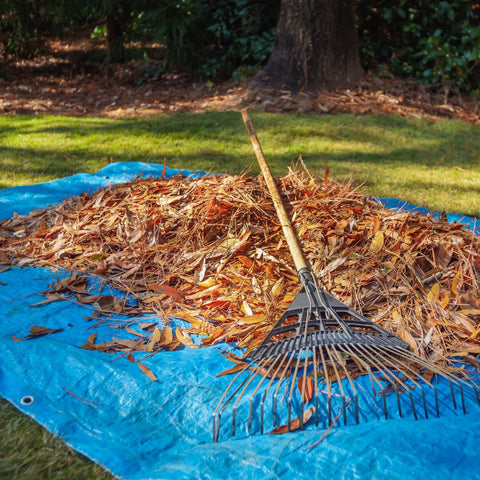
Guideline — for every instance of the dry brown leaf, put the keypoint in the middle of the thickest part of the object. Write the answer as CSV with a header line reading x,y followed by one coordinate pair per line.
x,y
454,285
167,336
147,371
295,424
305,387
169,291
377,242
407,337
433,293
37,331
155,338
235,369
326,175
278,287
49,298
184,338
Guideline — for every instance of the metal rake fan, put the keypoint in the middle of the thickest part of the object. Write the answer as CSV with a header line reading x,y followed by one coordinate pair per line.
x,y
321,349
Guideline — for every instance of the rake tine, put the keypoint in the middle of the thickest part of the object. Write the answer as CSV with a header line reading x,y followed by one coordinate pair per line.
x,y
463,398
252,397
339,382
429,383
405,367
366,366
453,394
262,404
329,387
304,386
437,406
245,384
459,381
220,408
373,362
432,367
399,403
315,381
292,387
416,374
275,395
352,385
217,414
392,378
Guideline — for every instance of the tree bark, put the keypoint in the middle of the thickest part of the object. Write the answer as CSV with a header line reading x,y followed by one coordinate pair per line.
x,y
115,37
315,47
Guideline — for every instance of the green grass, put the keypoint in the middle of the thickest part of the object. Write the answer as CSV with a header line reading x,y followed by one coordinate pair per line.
x,y
28,452
433,164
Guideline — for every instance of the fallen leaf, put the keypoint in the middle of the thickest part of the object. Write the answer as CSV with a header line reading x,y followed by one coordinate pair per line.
x,y
147,371
50,298
129,344
252,319
326,175
295,424
156,336
37,331
169,291
184,338
433,293
377,242
407,337
278,287
236,368
305,385
454,285
167,336
246,308
470,311
209,282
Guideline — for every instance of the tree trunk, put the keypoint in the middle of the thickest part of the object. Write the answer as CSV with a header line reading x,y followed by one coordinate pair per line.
x,y
316,47
115,35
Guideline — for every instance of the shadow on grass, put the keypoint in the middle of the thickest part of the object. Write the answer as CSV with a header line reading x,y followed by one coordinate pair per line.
x,y
369,149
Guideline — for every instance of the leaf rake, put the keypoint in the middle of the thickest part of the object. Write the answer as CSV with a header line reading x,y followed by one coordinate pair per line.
x,y
323,354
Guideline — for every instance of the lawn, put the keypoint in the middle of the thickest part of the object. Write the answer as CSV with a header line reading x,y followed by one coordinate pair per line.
x,y
433,164
28,452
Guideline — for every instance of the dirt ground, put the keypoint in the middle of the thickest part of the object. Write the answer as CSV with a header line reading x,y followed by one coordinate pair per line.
x,y
64,82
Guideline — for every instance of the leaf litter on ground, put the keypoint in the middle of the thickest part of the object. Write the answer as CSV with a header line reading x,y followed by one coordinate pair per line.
x,y
210,252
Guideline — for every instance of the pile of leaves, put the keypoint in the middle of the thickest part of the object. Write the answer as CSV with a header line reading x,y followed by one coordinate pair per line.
x,y
210,251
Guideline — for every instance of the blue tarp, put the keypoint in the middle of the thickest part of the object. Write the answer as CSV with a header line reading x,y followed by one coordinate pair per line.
x,y
107,409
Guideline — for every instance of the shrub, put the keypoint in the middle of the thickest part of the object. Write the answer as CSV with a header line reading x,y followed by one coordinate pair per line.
x,y
437,43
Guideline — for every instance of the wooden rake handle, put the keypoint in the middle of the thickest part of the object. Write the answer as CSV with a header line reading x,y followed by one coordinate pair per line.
x,y
293,245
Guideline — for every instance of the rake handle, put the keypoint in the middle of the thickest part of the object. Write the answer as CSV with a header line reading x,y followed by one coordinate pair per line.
x,y
288,231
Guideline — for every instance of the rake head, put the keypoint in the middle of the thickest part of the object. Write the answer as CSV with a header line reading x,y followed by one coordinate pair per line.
x,y
324,360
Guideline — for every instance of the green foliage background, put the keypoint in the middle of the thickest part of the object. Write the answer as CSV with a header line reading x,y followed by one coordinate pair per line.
x,y
437,43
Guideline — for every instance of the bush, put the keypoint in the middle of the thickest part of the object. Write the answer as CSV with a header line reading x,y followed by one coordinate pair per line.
x,y
243,32
437,43
212,39
23,25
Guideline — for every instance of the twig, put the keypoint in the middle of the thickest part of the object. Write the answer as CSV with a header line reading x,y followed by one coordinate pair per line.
x,y
334,421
